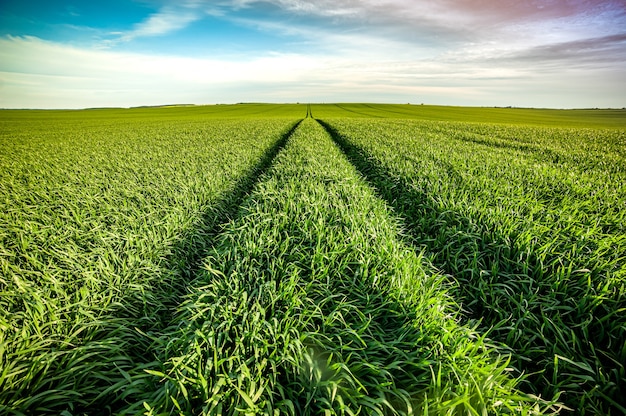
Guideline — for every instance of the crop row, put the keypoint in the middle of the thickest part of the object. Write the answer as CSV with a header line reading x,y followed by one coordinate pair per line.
x,y
530,222
101,225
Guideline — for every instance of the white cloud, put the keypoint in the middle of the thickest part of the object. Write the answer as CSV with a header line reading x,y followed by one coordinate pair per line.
x,y
38,73
172,16
165,21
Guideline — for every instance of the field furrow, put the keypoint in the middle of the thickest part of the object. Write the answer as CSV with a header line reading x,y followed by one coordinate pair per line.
x,y
311,303
530,222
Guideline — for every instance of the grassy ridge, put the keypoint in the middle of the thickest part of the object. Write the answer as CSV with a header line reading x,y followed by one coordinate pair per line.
x,y
582,118
607,118
100,225
531,223
117,116
310,303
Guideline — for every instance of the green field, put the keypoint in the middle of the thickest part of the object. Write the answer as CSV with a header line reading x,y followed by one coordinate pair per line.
x,y
313,259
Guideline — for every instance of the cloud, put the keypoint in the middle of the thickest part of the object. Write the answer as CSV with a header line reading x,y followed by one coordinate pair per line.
x,y
508,33
171,17
37,73
42,74
444,20
165,21
468,30
581,52
29,55
417,27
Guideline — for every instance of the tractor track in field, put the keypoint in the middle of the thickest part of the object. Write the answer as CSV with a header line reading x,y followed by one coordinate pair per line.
x,y
230,324
230,205
212,224
357,112
400,196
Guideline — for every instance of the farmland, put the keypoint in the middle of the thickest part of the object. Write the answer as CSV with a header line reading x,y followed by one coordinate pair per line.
x,y
294,259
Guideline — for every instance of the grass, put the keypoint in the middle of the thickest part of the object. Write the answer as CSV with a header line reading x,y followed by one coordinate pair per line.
x,y
530,223
583,118
100,228
233,259
310,303
96,116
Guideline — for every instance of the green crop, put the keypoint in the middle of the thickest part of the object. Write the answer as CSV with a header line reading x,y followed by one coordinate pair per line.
x,y
310,303
233,259
606,118
101,225
530,222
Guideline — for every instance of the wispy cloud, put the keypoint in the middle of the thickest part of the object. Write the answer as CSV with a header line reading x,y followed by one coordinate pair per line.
x,y
444,20
397,25
74,77
582,53
55,75
165,21
172,16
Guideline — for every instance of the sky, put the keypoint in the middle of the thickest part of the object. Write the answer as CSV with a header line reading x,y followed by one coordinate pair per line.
x,y
123,53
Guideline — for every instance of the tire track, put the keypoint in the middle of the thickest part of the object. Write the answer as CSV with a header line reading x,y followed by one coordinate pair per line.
x,y
284,307
229,206
204,235
528,354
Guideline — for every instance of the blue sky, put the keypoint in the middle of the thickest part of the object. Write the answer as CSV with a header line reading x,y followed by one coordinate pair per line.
x,y
529,53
